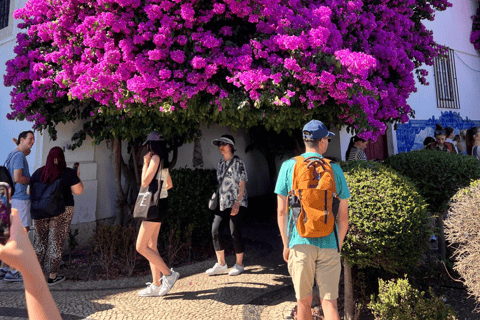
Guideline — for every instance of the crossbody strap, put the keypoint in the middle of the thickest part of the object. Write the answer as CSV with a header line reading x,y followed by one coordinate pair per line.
x,y
226,170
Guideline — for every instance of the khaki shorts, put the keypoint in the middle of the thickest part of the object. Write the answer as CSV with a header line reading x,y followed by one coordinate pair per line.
x,y
23,208
307,263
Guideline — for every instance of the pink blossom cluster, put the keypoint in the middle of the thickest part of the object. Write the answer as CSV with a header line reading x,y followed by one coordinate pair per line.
x,y
475,35
358,56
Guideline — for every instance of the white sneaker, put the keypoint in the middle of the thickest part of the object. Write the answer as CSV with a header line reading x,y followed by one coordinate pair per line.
x,y
168,282
151,290
217,268
236,270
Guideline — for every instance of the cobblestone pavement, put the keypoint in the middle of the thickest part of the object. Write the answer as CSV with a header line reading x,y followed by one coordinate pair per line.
x,y
262,292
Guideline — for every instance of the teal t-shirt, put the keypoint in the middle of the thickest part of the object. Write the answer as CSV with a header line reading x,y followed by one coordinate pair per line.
x,y
283,186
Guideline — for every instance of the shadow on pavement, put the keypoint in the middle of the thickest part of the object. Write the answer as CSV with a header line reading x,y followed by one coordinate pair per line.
x,y
233,293
22,313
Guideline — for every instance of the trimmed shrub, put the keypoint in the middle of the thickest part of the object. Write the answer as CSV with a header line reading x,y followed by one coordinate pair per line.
x,y
397,300
110,242
388,218
437,175
462,230
188,211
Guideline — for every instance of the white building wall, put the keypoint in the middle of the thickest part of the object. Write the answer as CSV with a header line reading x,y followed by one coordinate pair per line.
x,y
450,28
10,129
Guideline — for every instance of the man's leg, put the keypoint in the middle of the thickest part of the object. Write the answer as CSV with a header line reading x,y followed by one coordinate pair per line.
x,y
330,309
301,266
328,269
304,309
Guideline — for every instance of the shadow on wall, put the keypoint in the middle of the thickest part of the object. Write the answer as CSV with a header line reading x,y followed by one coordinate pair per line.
x,y
410,136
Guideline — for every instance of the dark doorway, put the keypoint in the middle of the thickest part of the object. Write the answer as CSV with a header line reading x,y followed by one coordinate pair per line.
x,y
377,150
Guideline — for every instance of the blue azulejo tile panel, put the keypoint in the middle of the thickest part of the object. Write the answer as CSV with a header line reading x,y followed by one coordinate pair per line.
x,y
410,135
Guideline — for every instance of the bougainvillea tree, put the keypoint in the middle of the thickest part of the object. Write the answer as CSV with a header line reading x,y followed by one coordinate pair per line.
x,y
475,35
125,64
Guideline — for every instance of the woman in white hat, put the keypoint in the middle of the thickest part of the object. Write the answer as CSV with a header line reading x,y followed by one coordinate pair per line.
x,y
232,204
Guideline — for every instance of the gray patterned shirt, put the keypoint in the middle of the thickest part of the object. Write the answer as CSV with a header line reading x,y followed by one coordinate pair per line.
x,y
230,187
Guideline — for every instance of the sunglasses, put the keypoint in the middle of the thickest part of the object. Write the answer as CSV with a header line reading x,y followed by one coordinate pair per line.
x,y
221,144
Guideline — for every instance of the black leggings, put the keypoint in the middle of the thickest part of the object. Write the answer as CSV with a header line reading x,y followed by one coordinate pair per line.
x,y
219,222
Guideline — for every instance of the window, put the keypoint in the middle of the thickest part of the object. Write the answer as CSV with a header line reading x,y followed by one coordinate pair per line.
x,y
446,81
4,13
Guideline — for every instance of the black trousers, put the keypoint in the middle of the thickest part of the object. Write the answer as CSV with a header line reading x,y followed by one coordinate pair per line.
x,y
219,223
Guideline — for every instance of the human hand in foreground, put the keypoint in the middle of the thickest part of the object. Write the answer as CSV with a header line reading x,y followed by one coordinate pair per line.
x,y
18,251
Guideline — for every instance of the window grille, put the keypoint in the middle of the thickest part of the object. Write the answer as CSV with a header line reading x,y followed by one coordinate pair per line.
x,y
446,81
4,13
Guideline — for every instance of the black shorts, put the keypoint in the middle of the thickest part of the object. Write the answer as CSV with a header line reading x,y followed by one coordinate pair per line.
x,y
162,209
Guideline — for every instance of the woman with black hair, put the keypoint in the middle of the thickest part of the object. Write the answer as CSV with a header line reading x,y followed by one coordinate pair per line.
x,y
355,150
427,141
473,135
232,204
450,134
147,240
440,143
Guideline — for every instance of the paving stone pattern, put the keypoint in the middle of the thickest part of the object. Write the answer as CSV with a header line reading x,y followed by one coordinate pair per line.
x,y
264,291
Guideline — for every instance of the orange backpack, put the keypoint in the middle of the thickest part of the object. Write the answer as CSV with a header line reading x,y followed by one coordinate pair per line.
x,y
312,197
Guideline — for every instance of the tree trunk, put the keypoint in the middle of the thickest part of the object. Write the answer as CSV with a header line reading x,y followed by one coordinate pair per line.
x,y
349,305
120,199
173,162
197,154
135,164
442,247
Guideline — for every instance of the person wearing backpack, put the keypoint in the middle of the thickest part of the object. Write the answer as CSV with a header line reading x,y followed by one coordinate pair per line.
x,y
311,191
51,189
18,168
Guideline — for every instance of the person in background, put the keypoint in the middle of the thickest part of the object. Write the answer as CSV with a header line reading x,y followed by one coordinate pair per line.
x,y
232,205
51,232
17,165
427,141
440,143
163,278
460,144
355,150
450,134
473,135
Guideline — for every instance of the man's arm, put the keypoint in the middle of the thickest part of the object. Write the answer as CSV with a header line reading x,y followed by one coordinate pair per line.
x,y
282,207
342,221
18,177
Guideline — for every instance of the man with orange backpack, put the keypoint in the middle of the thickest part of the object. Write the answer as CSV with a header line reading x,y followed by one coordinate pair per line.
x,y
314,192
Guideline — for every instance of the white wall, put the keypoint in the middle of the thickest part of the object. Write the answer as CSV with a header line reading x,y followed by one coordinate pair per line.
x,y
10,129
451,28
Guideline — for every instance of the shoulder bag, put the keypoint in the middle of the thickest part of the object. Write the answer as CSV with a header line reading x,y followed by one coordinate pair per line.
x,y
146,206
213,202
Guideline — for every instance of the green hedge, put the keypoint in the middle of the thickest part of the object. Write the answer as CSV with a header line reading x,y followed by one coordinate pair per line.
x,y
437,175
397,300
188,203
388,218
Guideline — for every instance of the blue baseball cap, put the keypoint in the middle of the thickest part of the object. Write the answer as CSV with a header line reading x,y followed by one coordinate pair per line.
x,y
315,129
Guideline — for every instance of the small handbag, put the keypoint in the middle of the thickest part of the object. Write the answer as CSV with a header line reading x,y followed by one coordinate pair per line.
x,y
146,206
213,202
